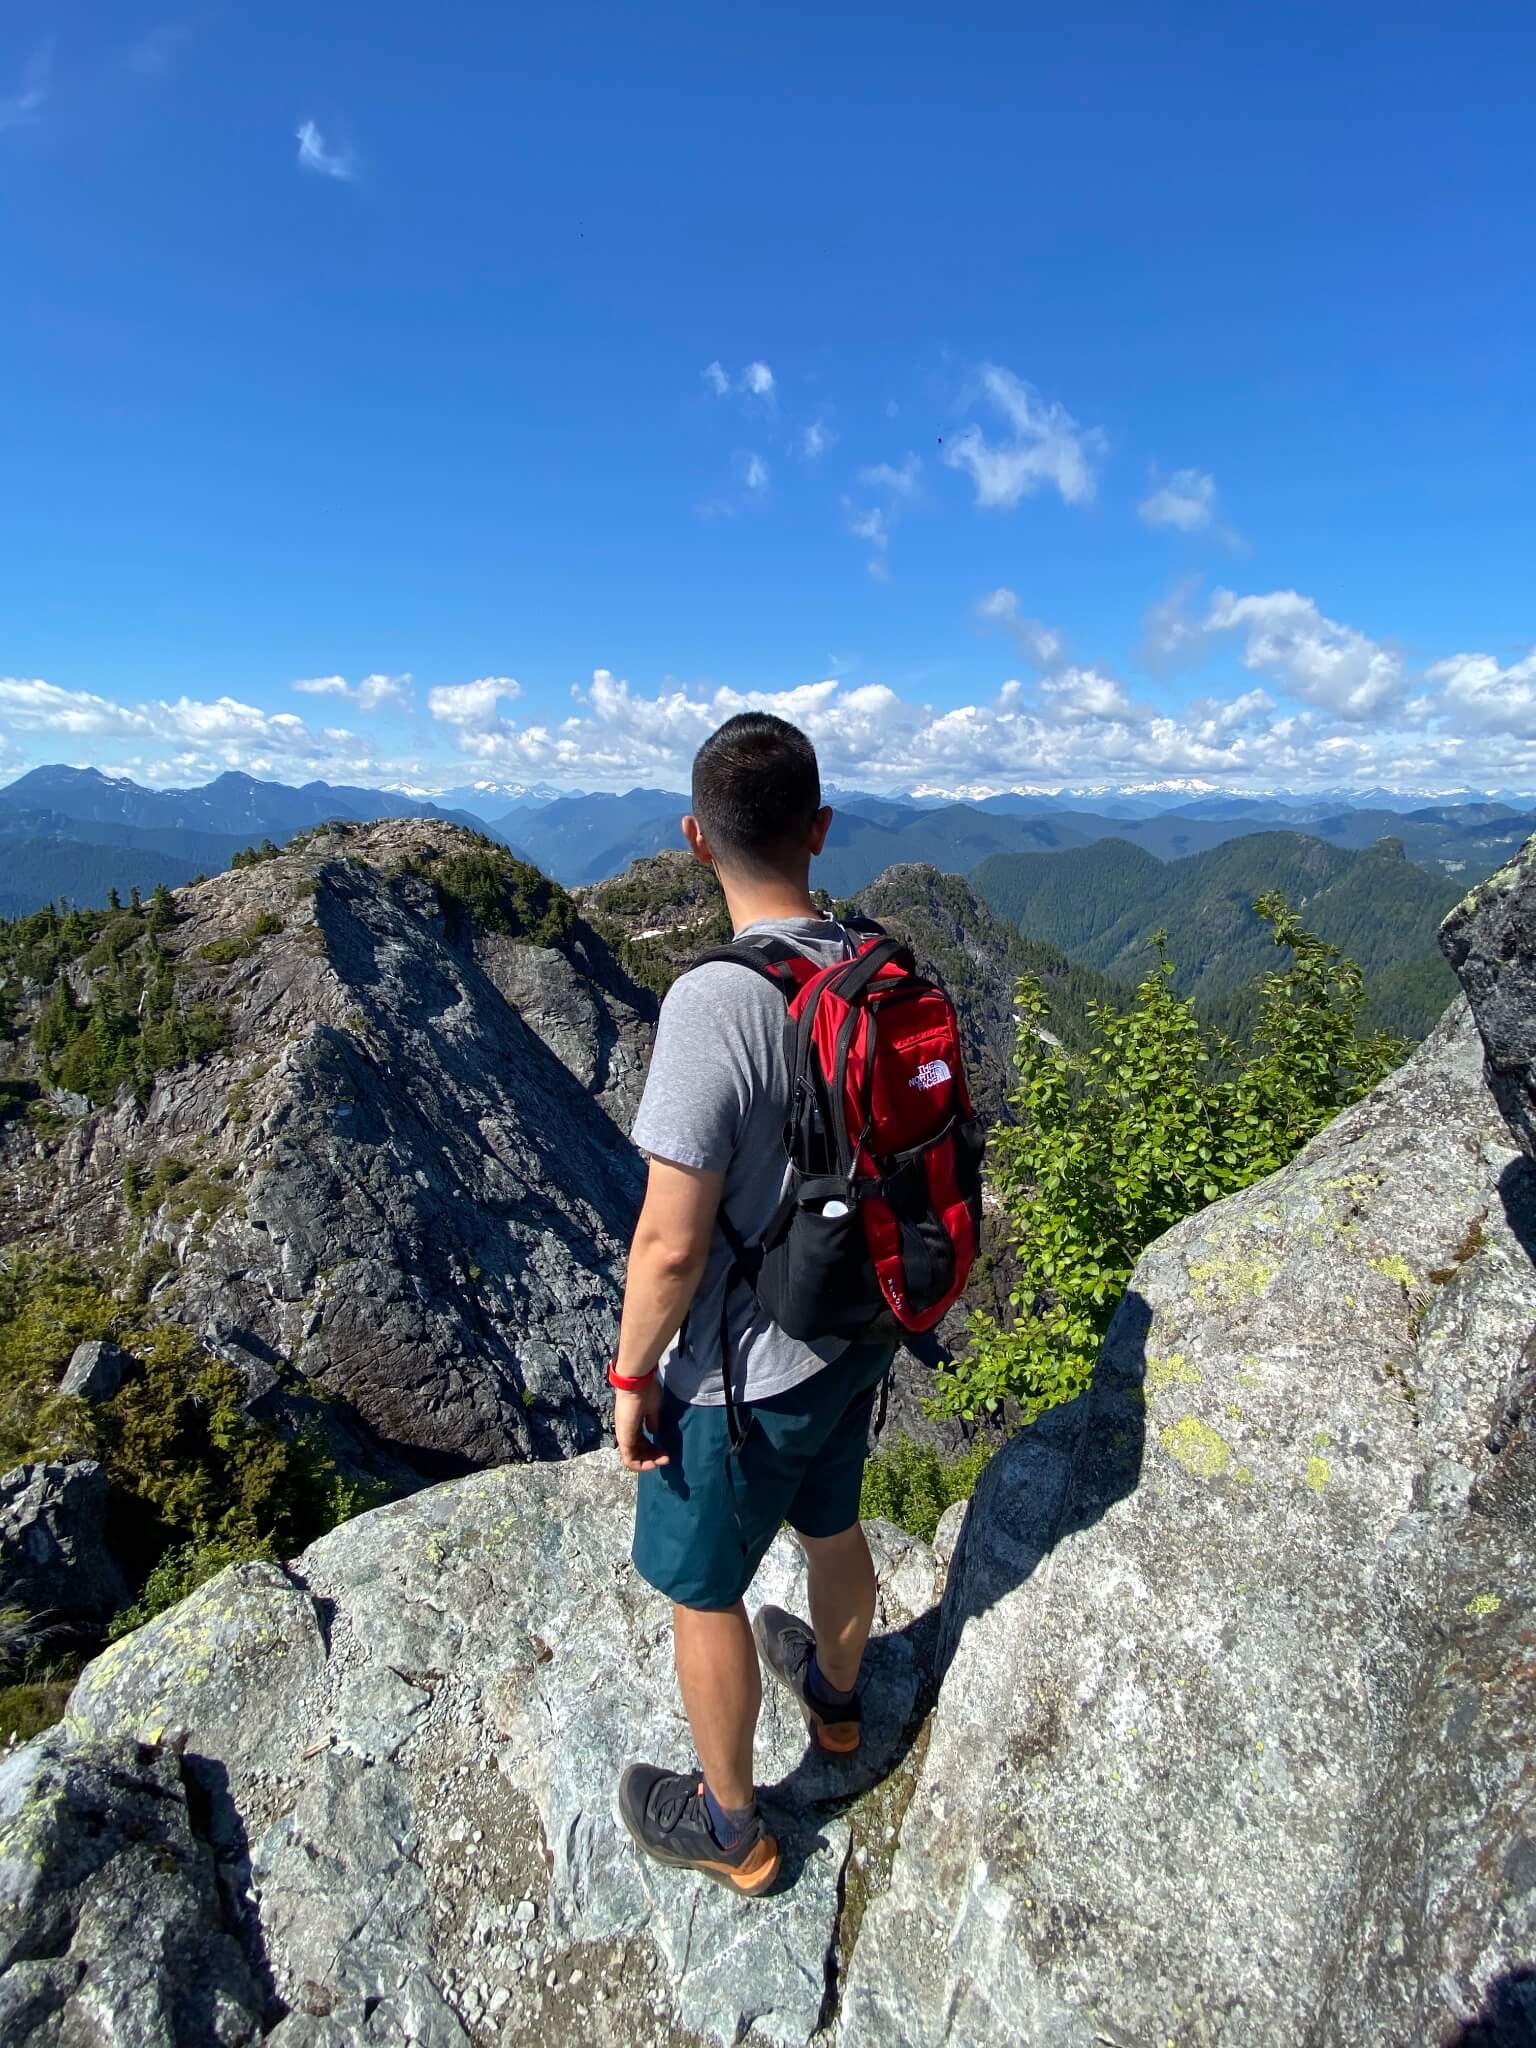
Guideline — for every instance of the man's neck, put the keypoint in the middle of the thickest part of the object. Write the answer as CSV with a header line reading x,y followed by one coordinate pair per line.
x,y
751,900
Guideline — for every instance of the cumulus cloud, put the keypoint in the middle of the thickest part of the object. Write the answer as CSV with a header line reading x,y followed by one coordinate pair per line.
x,y
1045,446
1487,697
473,707
815,441
210,733
1286,637
19,108
755,474
714,376
1186,501
758,379
370,694
316,154
1000,607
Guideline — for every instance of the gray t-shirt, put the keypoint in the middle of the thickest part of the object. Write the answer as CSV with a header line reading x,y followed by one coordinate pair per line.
x,y
716,1097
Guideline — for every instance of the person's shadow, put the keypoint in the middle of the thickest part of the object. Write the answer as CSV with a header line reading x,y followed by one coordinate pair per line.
x,y
1057,1476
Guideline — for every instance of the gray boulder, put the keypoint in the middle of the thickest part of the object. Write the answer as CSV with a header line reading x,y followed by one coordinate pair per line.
x,y
95,1371
1232,1740
1490,940
408,1746
111,1926
54,1557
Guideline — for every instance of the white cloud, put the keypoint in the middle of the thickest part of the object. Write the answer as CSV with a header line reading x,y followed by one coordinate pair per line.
x,y
1487,697
368,695
1186,501
755,475
1001,608
24,105
36,706
901,483
473,707
1047,446
815,441
755,381
315,154
1085,693
872,525
1287,638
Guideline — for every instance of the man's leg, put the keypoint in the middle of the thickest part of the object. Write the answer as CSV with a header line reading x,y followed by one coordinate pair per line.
x,y
722,1689
842,1575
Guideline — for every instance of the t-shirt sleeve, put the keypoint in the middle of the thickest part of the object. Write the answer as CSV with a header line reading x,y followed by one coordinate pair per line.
x,y
699,1088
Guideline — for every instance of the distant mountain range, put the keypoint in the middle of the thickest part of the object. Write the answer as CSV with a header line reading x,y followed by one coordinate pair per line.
x,y
73,833
1101,903
69,833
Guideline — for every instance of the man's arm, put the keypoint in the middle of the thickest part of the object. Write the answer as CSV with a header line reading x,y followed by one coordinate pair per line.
x,y
666,1263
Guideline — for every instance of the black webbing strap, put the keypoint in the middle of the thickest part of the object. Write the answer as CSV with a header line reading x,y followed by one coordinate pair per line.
x,y
745,1261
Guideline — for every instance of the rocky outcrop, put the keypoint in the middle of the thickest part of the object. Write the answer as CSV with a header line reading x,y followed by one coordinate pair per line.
x,y
54,1558
1217,1733
389,1181
406,1748
1232,1743
1490,940
111,1926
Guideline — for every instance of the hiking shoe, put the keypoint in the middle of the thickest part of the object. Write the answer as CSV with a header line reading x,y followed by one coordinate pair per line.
x,y
787,1646
665,1814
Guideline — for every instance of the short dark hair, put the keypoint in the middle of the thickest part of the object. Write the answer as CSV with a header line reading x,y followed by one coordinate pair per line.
x,y
756,789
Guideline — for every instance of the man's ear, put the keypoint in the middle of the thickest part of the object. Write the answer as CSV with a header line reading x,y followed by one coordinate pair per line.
x,y
693,832
821,825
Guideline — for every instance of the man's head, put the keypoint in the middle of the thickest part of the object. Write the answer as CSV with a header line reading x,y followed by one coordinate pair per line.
x,y
757,809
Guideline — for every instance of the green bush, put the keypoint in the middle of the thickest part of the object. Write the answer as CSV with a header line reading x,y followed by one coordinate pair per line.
x,y
912,1484
1114,1145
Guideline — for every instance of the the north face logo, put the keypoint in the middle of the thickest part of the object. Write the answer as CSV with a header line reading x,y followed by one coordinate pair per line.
x,y
931,1074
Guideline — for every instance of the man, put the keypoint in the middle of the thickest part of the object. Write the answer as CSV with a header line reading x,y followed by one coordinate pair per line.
x,y
712,1121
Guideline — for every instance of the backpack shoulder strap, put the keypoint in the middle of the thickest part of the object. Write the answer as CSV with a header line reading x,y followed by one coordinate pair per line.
x,y
773,958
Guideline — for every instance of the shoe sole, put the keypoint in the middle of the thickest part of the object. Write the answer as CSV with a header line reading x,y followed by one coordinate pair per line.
x,y
833,1738
740,1878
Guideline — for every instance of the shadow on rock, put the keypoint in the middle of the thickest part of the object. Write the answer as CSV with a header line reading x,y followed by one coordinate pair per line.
x,y
1058,1476
1508,2017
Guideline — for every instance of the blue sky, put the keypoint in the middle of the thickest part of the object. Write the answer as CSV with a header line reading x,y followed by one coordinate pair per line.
x,y
1024,397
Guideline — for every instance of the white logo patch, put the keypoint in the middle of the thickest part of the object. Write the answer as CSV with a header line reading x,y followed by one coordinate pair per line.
x,y
931,1074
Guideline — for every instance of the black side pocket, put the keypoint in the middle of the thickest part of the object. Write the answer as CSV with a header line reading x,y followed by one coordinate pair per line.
x,y
816,1278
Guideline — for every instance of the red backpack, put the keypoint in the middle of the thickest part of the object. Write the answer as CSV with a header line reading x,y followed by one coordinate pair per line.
x,y
881,1216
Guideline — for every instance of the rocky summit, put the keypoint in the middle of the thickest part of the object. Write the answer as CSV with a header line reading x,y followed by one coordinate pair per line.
x,y
1207,1721
404,1175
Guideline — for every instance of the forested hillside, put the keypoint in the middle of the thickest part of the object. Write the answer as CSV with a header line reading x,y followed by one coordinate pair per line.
x,y
1102,903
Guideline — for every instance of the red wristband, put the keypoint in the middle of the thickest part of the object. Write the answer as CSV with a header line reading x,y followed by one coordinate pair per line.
x,y
624,1384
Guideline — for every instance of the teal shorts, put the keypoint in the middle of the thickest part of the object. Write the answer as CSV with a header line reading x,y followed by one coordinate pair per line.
x,y
704,1521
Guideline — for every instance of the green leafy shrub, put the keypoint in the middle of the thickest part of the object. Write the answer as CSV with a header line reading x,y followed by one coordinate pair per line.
x,y
912,1484
1115,1144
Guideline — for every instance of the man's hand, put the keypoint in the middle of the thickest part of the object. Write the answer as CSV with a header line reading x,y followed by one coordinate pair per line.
x,y
633,1416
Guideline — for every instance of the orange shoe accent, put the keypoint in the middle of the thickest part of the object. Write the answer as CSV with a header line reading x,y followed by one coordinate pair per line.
x,y
839,1738
755,1874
